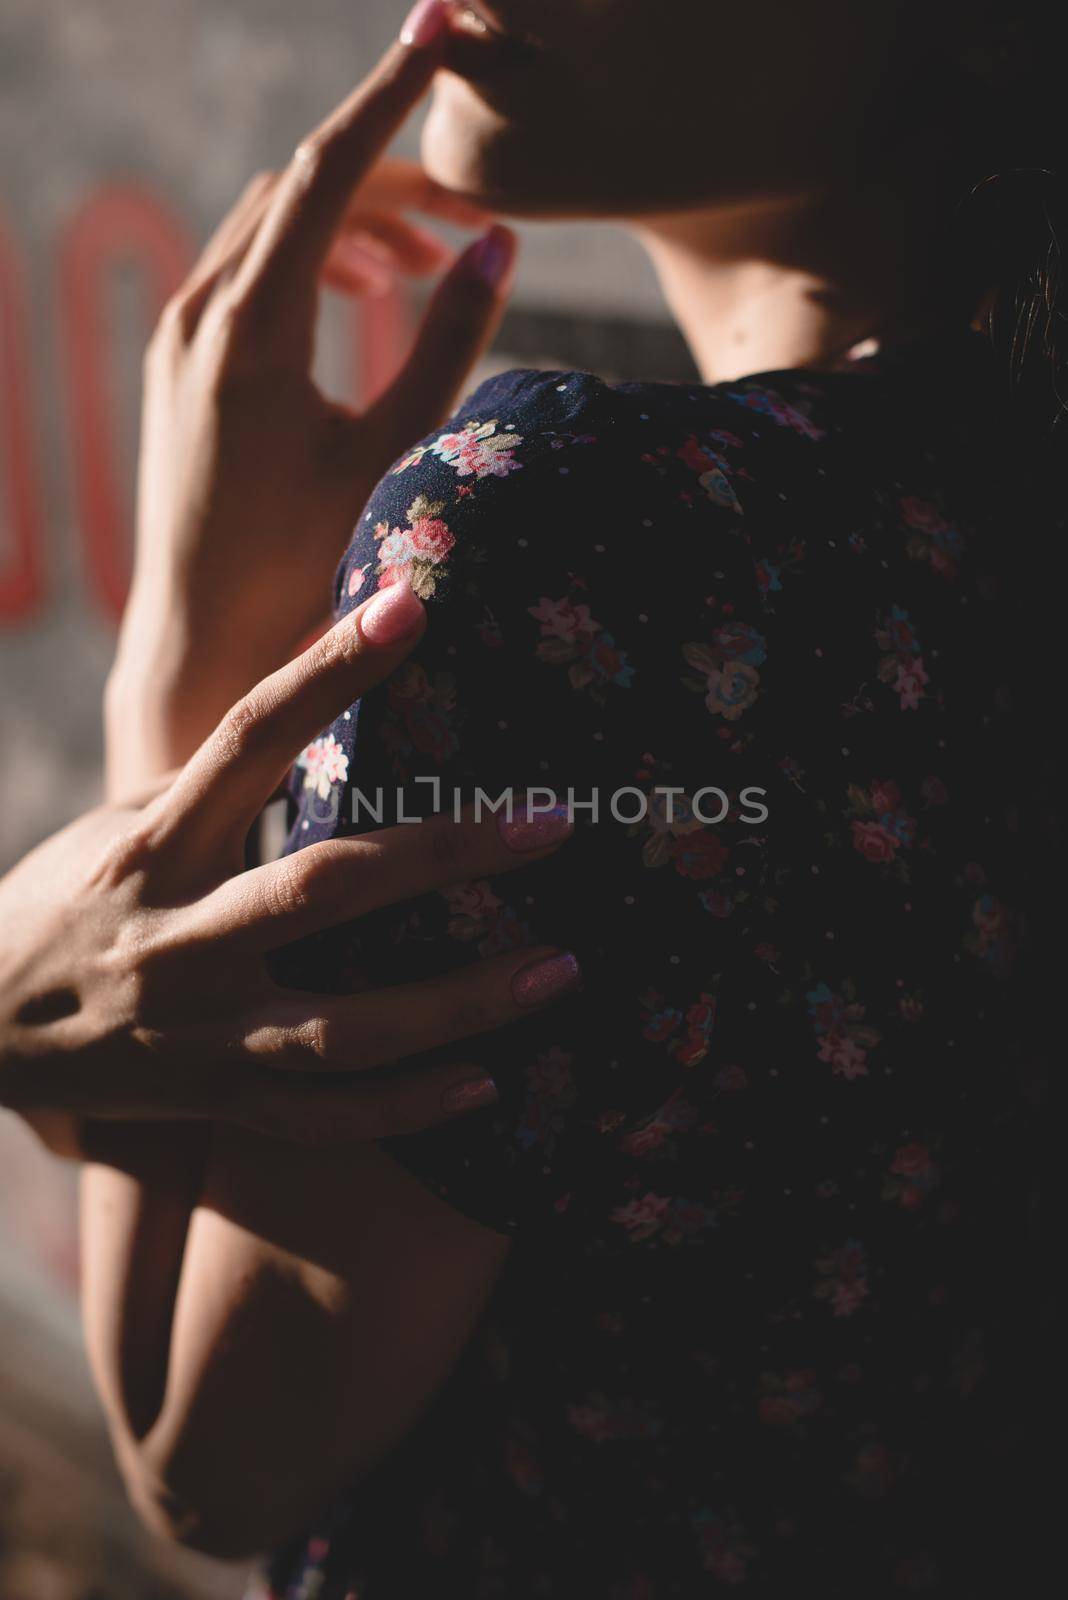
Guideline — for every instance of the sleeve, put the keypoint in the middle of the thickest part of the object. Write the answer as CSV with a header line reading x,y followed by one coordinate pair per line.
x,y
558,657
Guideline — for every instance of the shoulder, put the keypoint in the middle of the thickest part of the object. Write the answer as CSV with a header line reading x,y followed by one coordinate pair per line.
x,y
526,456
548,404
555,461
523,418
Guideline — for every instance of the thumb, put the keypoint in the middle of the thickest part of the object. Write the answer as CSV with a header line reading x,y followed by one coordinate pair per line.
x,y
460,324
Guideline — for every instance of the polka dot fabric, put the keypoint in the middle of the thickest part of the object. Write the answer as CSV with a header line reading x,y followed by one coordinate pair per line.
x,y
758,1169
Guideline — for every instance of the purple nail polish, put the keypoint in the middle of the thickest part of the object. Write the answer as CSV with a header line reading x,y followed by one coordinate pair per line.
x,y
532,829
469,1095
546,980
490,257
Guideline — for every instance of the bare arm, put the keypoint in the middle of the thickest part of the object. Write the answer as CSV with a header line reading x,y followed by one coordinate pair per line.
x,y
219,1264
322,1298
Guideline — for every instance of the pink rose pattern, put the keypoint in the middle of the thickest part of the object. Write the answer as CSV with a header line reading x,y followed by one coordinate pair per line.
x,y
415,552
764,1174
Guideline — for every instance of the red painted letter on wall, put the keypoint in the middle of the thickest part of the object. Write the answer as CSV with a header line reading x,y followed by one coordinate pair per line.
x,y
118,224
21,557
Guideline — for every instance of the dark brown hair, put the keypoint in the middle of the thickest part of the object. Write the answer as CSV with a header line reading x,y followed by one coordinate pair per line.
x,y
1016,222
1011,218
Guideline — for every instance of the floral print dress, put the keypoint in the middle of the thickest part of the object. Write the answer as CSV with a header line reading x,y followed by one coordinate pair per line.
x,y
766,1172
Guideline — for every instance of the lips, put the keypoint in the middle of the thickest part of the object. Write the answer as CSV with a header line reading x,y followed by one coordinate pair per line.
x,y
473,20
480,48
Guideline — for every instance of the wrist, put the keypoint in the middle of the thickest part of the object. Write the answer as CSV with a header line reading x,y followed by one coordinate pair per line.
x,y
153,721
168,688
178,669
178,650
152,710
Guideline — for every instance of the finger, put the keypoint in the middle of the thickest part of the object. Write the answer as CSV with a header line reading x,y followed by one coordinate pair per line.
x,y
403,245
397,185
324,1111
352,269
359,1033
459,326
354,1113
397,242
342,879
225,251
222,788
275,289
239,224
392,185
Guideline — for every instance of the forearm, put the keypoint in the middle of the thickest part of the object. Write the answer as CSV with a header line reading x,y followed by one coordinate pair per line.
x,y
247,1441
171,682
139,1188
302,1306
323,1297
141,1181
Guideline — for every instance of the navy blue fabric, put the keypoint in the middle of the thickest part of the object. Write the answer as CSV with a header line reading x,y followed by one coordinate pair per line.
x,y
765,1173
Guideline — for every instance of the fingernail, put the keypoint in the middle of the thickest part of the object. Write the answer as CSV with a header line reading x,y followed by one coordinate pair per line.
x,y
531,829
546,980
469,1095
489,258
425,23
391,615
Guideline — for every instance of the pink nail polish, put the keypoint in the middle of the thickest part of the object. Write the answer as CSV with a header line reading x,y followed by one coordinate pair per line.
x,y
547,980
424,24
469,1095
391,615
531,829
489,258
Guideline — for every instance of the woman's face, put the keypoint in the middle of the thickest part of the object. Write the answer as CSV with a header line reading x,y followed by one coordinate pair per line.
x,y
627,107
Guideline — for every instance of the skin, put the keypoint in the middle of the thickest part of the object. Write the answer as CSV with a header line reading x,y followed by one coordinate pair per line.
x,y
569,129
135,978
790,211
218,1259
789,216
239,448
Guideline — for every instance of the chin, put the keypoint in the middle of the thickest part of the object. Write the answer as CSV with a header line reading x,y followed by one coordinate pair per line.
x,y
486,155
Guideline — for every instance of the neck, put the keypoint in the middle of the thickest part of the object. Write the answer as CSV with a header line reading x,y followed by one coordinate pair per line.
x,y
791,283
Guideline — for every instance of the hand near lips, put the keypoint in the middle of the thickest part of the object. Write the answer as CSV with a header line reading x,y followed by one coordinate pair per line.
x,y
377,243
250,479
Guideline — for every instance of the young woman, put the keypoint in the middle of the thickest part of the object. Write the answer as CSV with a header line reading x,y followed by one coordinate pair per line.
x,y
730,1287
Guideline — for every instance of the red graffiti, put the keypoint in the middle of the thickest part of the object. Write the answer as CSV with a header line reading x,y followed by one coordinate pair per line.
x,y
117,225
22,565
120,228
